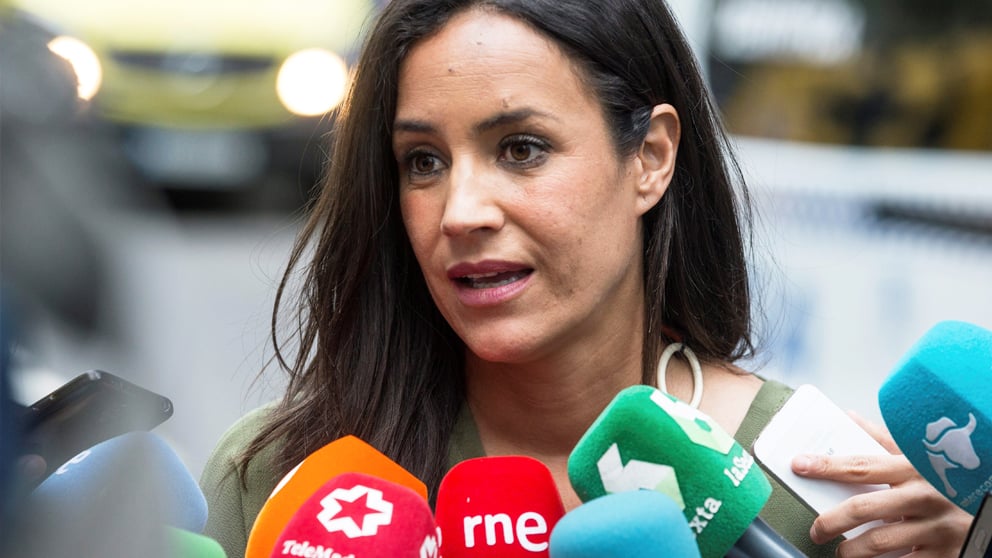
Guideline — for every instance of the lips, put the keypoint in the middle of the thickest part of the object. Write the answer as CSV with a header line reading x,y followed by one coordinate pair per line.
x,y
489,282
492,280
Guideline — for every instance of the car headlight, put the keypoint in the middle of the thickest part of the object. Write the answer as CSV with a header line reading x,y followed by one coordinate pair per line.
x,y
312,81
85,64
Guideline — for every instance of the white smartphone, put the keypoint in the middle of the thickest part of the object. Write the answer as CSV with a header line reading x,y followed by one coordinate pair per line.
x,y
810,423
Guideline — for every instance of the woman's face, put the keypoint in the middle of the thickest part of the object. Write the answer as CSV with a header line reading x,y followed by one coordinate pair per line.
x,y
522,217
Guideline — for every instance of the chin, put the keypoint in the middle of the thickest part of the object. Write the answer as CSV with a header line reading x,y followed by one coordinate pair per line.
x,y
494,348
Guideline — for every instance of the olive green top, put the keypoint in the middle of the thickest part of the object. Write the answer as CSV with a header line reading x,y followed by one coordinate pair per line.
x,y
233,507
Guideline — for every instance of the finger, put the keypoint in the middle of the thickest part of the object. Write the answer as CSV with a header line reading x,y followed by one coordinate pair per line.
x,y
915,503
862,469
915,539
877,431
858,510
879,540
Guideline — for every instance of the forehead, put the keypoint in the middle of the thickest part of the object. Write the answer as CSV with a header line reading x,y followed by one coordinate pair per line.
x,y
488,57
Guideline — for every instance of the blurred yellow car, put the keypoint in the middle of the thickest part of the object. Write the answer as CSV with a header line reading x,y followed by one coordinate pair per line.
x,y
209,94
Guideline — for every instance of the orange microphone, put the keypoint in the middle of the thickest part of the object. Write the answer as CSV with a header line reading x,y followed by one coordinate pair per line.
x,y
344,455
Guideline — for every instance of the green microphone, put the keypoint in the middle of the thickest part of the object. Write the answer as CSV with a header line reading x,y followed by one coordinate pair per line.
x,y
648,440
187,544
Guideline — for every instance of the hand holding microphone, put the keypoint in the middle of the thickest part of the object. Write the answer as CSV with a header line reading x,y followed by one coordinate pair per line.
x,y
911,512
937,403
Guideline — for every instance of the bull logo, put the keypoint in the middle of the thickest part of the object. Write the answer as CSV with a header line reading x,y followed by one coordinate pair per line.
x,y
949,447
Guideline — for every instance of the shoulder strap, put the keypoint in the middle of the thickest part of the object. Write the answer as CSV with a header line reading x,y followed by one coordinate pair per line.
x,y
767,402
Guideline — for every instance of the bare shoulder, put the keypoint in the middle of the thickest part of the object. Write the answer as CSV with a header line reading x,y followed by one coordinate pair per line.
x,y
728,394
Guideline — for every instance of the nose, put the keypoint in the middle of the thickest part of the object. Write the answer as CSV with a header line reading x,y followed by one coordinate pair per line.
x,y
472,202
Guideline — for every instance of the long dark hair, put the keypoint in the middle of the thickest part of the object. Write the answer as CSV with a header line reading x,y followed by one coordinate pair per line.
x,y
375,358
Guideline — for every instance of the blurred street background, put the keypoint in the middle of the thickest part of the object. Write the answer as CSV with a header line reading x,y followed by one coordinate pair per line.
x,y
156,159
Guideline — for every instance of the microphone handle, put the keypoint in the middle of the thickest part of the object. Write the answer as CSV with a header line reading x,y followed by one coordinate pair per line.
x,y
761,541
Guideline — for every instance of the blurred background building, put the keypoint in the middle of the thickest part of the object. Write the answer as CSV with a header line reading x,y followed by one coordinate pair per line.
x,y
155,159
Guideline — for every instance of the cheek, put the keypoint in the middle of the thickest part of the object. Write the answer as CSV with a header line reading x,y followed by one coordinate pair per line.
x,y
421,220
584,206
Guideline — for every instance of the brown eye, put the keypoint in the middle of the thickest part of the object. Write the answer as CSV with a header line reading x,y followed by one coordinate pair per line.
x,y
521,152
424,164
524,151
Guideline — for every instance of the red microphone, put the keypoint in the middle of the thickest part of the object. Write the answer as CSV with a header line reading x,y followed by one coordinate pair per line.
x,y
355,515
498,507
344,455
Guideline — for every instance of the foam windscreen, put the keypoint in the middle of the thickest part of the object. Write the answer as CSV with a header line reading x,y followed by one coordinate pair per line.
x,y
361,516
185,544
633,523
648,440
937,403
498,507
344,455
112,501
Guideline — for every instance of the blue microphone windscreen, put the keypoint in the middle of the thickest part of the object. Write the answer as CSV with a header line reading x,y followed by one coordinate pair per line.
x,y
633,523
937,403
134,473
112,501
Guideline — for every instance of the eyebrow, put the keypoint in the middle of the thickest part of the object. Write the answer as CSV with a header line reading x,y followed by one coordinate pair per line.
x,y
495,121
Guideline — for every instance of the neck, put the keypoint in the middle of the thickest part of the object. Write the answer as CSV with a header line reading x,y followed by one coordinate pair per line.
x,y
543,408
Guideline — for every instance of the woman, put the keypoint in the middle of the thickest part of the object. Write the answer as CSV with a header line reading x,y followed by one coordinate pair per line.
x,y
527,202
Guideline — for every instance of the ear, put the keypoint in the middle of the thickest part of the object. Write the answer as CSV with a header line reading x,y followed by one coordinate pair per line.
x,y
657,156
